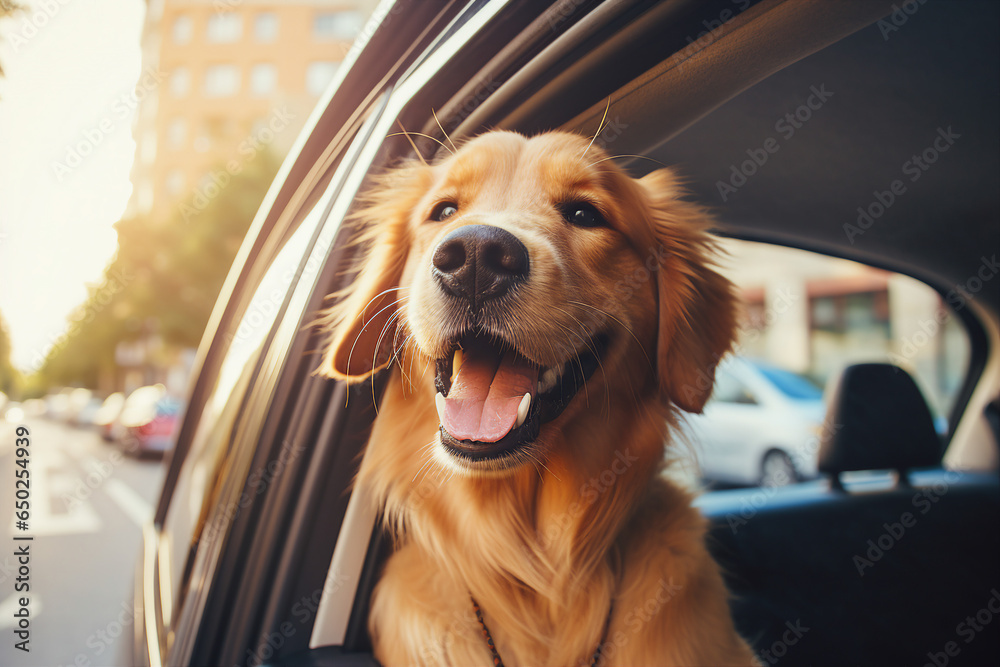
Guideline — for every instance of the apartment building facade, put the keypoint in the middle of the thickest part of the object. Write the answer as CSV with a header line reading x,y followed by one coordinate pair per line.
x,y
240,77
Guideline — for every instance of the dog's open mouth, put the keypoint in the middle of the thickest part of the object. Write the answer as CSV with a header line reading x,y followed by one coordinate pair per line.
x,y
492,401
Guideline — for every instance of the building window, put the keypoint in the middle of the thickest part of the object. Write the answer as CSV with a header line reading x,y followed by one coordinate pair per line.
x,y
225,28
319,75
222,80
180,81
859,312
263,79
265,27
175,182
182,30
177,133
331,26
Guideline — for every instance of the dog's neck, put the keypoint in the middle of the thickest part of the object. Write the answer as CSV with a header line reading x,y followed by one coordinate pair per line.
x,y
533,543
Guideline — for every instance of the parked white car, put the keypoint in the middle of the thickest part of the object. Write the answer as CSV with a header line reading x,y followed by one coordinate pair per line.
x,y
762,426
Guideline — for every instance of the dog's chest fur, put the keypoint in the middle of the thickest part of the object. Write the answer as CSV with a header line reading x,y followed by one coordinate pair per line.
x,y
544,569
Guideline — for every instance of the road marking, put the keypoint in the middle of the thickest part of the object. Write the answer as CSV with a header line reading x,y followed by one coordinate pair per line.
x,y
10,605
49,476
130,502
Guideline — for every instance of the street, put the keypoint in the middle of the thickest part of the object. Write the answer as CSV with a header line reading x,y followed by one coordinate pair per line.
x,y
88,502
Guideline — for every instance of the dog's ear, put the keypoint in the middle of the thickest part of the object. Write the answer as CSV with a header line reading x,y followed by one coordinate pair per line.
x,y
697,306
363,323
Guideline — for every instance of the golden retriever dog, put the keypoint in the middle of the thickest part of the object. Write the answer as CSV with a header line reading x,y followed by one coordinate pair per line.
x,y
545,318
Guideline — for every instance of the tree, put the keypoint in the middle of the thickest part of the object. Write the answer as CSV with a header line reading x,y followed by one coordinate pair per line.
x,y
163,280
8,8
10,378
202,246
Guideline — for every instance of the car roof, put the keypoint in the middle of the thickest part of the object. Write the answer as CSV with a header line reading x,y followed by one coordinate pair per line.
x,y
897,79
891,93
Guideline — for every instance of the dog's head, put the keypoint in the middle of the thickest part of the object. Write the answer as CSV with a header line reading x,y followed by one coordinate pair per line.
x,y
539,282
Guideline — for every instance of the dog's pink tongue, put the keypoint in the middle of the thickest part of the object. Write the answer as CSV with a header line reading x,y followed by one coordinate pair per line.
x,y
484,397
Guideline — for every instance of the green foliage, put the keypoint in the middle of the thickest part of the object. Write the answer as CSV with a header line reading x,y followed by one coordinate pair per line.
x,y
8,8
10,378
163,281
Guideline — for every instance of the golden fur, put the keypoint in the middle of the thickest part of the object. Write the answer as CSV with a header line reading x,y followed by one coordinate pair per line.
x,y
587,517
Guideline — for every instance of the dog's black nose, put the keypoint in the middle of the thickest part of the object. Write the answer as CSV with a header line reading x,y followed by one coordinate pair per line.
x,y
480,262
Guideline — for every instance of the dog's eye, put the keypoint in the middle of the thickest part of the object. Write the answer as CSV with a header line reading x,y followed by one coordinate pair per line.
x,y
443,211
582,214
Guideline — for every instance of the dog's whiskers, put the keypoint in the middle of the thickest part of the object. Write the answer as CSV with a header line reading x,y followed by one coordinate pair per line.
x,y
600,126
404,377
378,344
618,157
642,349
409,135
426,464
588,341
539,462
576,357
620,323
441,127
362,330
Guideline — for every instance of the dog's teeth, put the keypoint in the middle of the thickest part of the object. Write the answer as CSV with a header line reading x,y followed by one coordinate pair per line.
x,y
439,402
457,363
522,409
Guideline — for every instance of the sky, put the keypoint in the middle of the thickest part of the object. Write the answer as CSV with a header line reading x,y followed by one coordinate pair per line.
x,y
66,148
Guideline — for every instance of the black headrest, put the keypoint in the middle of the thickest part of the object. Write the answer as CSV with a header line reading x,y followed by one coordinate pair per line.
x,y
877,419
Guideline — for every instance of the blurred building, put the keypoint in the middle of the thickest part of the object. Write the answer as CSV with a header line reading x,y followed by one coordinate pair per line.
x,y
814,315
232,78
222,82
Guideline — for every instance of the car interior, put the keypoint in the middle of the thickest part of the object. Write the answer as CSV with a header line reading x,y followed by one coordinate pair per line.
x,y
863,568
